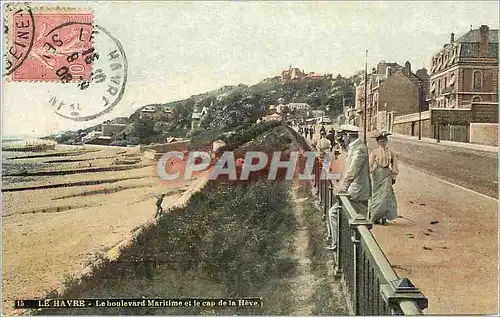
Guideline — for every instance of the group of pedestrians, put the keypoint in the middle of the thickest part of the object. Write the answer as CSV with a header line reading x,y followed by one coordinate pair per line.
x,y
308,131
373,197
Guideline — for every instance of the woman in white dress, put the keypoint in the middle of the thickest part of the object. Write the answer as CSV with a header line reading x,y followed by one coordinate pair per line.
x,y
384,170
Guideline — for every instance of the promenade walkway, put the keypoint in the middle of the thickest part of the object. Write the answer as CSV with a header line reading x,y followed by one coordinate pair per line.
x,y
454,262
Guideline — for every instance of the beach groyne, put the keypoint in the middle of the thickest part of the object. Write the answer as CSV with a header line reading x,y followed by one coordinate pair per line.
x,y
30,147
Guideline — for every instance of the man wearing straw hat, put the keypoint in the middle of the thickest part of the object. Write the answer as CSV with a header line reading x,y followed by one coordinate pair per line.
x,y
356,179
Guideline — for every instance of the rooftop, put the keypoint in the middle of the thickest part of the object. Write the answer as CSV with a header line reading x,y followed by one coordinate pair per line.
x,y
473,36
149,109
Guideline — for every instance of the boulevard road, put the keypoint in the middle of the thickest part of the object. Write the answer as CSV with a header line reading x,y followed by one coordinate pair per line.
x,y
472,169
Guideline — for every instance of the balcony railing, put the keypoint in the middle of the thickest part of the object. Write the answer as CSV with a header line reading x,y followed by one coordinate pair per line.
x,y
368,280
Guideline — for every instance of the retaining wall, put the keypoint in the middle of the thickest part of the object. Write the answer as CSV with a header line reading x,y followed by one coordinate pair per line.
x,y
484,133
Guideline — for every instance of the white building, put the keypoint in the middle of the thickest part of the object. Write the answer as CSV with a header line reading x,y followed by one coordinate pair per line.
x,y
197,117
317,113
298,106
324,120
273,117
146,111
91,135
149,109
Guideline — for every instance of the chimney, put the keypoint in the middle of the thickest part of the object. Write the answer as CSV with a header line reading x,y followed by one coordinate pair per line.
x,y
452,38
388,72
407,68
483,40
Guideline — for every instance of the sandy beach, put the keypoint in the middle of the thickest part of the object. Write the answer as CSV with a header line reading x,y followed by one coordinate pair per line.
x,y
64,208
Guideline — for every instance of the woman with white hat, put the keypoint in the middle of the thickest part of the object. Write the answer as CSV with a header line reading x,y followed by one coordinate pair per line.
x,y
384,169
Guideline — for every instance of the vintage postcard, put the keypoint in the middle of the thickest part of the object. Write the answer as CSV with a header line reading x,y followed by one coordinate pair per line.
x,y
250,158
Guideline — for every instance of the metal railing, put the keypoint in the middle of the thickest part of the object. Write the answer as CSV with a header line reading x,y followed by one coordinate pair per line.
x,y
368,280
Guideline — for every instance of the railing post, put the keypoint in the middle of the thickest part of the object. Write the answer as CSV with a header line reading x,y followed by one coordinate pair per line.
x,y
325,195
317,177
329,199
355,242
337,212
315,171
404,297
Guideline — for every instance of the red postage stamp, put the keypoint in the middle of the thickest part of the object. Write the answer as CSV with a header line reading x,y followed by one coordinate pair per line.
x,y
49,45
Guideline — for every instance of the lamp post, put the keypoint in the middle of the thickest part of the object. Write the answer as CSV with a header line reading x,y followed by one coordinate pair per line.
x,y
438,128
420,95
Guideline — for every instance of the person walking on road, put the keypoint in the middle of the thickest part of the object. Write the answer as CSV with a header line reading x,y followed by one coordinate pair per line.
x,y
356,179
159,201
384,170
323,129
311,131
331,137
323,145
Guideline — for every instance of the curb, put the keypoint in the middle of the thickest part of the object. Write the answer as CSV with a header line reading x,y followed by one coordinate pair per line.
x,y
470,146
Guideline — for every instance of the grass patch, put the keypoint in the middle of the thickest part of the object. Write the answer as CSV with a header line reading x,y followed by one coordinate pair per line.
x,y
325,300
227,242
203,139
246,133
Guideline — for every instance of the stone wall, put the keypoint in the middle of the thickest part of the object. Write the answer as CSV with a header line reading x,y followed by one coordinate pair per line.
x,y
485,113
484,133
452,116
167,147
411,128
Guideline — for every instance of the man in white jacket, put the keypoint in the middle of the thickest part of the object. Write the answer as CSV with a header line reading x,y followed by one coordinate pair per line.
x,y
356,178
355,181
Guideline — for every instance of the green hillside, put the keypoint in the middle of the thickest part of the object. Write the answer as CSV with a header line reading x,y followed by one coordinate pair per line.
x,y
233,106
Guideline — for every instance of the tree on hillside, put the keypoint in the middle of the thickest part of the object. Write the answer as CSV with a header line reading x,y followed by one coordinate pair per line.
x,y
342,89
238,107
140,131
182,113
234,106
358,77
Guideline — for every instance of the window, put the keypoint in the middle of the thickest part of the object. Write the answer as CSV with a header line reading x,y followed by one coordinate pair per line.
x,y
452,81
477,80
433,86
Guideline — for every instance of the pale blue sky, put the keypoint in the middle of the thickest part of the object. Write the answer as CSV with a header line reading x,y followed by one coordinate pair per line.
x,y
177,49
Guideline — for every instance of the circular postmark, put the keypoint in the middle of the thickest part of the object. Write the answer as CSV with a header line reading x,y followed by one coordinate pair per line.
x,y
19,35
99,93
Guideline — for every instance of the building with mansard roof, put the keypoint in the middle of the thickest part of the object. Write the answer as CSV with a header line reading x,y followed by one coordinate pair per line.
x,y
464,88
465,71
463,92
